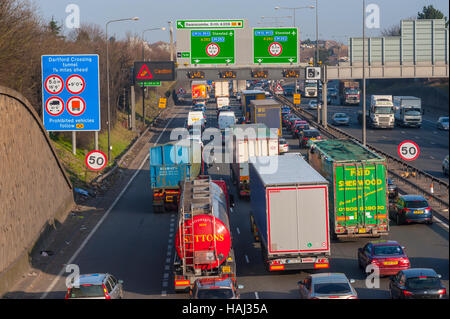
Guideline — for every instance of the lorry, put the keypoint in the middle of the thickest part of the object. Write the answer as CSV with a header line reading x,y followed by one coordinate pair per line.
x,y
170,164
358,198
250,95
196,118
289,213
203,241
199,90
408,111
248,140
381,111
221,88
222,101
349,92
310,88
267,112
226,119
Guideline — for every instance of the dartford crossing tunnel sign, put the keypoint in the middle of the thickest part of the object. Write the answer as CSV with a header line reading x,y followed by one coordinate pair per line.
x,y
71,92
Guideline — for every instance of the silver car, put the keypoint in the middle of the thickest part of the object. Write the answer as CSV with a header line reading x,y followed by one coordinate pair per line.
x,y
327,286
341,119
96,286
442,123
215,288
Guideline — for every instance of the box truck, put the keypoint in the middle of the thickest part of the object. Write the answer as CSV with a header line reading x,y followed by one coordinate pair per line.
x,y
289,213
247,96
359,205
408,111
170,164
266,112
349,92
249,140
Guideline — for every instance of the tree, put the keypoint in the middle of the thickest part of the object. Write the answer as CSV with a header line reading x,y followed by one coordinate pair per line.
x,y
392,31
431,13
54,27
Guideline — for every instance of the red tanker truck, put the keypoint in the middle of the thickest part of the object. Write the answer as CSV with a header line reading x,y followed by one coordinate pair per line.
x,y
203,240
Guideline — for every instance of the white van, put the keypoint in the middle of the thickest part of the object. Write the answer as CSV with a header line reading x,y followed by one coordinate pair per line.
x,y
195,118
226,119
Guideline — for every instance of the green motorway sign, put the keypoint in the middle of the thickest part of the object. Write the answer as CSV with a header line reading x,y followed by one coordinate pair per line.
x,y
212,47
150,83
275,45
210,24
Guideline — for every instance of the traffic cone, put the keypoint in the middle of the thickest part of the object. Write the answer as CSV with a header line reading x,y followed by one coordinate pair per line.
x,y
431,188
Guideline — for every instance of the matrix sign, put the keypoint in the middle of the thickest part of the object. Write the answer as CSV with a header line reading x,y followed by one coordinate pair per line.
x,y
212,47
275,45
71,92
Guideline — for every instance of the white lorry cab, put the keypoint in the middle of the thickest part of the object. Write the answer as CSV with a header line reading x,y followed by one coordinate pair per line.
x,y
408,111
226,119
196,119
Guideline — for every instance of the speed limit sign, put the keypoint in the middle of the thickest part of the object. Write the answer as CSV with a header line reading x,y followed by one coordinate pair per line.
x,y
96,160
408,150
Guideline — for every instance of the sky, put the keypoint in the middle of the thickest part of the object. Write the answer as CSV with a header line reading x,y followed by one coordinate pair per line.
x,y
338,19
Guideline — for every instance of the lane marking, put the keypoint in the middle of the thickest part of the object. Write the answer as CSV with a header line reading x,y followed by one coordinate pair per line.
x,y
246,259
237,229
256,295
164,293
83,244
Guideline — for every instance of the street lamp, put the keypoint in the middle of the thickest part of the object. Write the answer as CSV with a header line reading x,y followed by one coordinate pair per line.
x,y
151,29
107,80
296,8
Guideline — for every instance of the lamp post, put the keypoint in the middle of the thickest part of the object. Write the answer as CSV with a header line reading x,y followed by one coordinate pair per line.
x,y
107,80
294,9
143,59
364,75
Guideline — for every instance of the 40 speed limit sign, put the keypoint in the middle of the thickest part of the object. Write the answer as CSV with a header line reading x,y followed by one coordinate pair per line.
x,y
408,150
96,160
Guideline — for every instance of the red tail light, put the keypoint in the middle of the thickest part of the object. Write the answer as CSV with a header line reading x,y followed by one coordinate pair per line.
x,y
407,293
107,296
305,138
403,261
442,291
406,210
352,297
375,262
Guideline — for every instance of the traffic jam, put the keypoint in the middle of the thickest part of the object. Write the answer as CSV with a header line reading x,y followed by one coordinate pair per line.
x,y
305,193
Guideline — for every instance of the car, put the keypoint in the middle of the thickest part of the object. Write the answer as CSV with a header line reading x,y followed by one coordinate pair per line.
x,y
283,146
445,166
442,123
327,286
312,105
285,119
96,286
392,189
411,208
294,122
299,128
307,135
387,255
417,283
215,288
341,119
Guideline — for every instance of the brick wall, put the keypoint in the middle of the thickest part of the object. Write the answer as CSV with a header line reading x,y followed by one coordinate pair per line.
x,y
34,188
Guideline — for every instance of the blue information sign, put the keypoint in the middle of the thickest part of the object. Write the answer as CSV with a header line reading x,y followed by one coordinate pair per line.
x,y
71,92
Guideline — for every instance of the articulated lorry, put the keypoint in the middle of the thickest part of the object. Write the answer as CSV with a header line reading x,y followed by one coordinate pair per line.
x,y
349,92
249,140
289,213
266,112
171,164
203,241
408,111
246,97
359,205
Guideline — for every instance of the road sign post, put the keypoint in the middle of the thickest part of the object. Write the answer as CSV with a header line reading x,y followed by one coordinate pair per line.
x,y
275,45
408,150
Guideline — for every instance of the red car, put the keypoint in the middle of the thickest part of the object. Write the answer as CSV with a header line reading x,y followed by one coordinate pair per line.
x,y
387,255
295,122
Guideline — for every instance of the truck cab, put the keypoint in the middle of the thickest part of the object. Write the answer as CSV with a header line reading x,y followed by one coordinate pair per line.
x,y
408,111
381,111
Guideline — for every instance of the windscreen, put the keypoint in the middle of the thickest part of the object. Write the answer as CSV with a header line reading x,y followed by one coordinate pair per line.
x,y
383,110
85,291
215,294
332,288
423,283
416,204
387,250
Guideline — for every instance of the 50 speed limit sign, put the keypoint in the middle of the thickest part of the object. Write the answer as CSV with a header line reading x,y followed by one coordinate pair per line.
x,y
408,150
96,160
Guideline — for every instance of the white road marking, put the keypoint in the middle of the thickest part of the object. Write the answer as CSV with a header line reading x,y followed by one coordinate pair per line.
x,y
432,157
83,244
237,229
256,295
165,283
167,267
246,259
163,293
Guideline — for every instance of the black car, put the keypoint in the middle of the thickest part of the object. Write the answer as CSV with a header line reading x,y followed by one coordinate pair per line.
x,y
417,283
299,128
392,189
308,135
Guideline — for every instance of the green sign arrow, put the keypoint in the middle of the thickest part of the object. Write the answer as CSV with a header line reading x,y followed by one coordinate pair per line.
x,y
212,47
275,45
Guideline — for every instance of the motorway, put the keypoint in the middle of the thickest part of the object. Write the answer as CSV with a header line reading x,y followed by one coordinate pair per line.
x,y
433,143
137,245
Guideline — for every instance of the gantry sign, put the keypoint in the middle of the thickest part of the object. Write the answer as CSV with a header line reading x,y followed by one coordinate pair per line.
x,y
230,49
